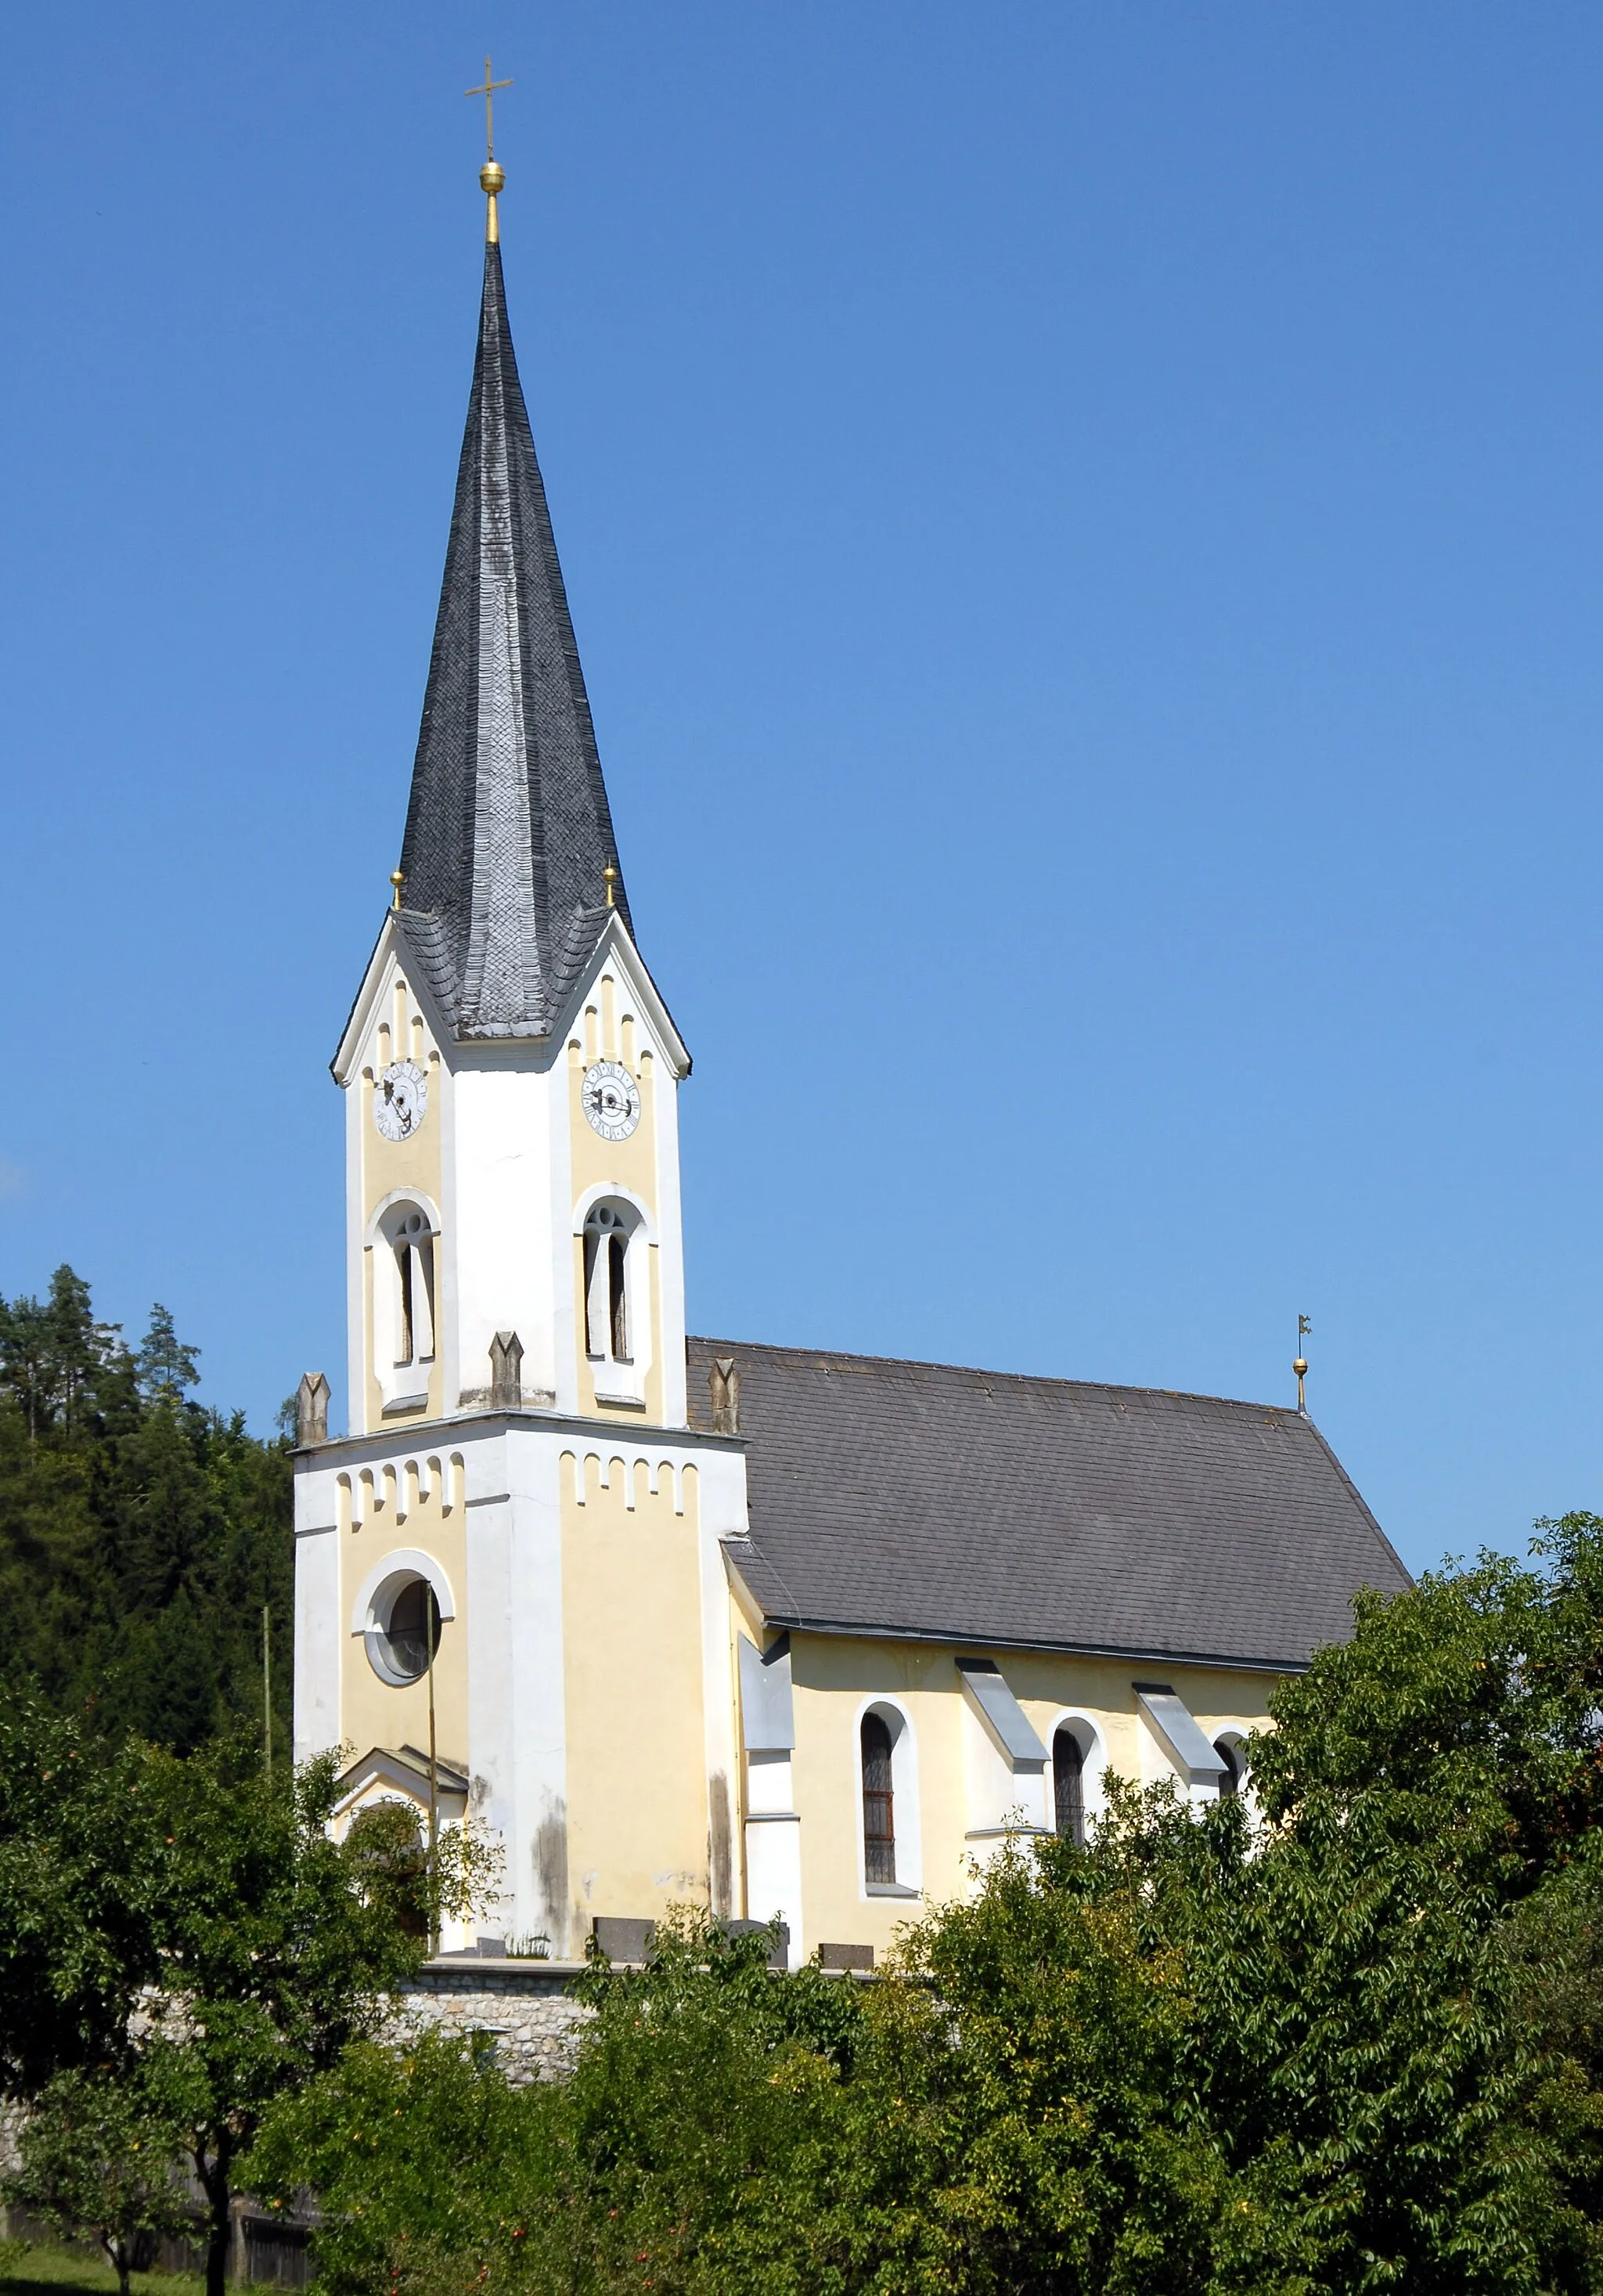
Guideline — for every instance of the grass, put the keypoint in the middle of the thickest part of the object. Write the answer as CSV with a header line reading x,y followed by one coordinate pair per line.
x,y
30,2269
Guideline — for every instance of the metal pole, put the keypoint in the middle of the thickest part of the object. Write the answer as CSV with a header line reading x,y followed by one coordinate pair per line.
x,y
433,1789
267,1688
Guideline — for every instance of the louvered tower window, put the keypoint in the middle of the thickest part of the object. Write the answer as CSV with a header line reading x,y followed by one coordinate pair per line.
x,y
1068,1785
410,1302
878,1812
1230,1782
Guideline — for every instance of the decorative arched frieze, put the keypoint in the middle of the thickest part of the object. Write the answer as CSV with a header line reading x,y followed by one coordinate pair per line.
x,y
629,1463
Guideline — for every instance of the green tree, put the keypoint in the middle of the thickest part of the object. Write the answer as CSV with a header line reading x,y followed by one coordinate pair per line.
x,y
190,1925
98,2159
168,1367
383,2141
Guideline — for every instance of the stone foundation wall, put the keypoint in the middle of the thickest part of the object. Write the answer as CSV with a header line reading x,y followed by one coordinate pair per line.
x,y
522,2005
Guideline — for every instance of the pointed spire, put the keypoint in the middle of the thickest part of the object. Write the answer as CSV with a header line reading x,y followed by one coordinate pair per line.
x,y
508,866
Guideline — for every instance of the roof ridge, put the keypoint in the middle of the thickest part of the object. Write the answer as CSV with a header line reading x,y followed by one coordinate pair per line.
x,y
845,1358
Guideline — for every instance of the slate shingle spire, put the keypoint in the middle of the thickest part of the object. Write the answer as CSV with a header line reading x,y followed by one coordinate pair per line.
x,y
508,829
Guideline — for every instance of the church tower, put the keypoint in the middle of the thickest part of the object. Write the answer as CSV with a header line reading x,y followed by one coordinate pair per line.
x,y
507,1001
518,1480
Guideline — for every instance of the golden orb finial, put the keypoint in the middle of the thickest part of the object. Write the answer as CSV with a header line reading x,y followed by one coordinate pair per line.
x,y
398,878
609,878
1300,1367
492,178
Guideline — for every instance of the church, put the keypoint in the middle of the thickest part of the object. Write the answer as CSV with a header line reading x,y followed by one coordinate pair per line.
x,y
788,1634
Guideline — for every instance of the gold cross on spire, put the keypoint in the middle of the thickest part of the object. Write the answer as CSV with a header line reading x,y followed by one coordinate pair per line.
x,y
488,92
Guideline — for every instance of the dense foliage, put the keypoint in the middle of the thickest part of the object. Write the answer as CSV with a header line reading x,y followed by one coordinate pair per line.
x,y
1344,2035
182,1929
140,1536
95,2157
1348,2041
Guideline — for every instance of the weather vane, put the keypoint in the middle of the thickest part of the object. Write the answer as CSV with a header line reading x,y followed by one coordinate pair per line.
x,y
1301,1365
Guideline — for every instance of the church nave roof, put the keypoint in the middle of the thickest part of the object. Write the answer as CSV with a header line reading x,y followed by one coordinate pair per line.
x,y
928,1501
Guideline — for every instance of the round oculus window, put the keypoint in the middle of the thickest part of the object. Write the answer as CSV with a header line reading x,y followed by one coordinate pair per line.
x,y
406,1632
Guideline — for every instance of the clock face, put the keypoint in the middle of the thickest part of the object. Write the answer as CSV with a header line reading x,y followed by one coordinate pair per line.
x,y
400,1100
612,1099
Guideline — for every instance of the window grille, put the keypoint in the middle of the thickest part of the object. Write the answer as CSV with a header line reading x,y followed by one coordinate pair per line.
x,y
879,1814
1068,1785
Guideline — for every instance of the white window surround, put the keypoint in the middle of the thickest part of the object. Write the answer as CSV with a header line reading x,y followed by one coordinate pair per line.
x,y
905,1806
403,1377
606,1191
618,1381
1092,1747
369,1613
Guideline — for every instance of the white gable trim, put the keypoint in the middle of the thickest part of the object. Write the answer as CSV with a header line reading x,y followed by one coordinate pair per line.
x,y
390,947
615,945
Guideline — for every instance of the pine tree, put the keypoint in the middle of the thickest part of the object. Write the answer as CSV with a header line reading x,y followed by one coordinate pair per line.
x,y
167,1368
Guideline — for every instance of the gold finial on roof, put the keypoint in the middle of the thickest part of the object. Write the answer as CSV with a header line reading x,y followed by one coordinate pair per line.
x,y
492,175
609,878
398,878
1301,1365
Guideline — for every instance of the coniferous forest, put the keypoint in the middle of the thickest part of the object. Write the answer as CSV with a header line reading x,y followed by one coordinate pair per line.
x,y
141,1535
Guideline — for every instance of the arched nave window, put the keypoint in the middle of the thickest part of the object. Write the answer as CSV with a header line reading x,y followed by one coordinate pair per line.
x,y
878,1802
1068,1785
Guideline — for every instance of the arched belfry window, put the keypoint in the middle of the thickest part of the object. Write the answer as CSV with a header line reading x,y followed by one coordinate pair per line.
x,y
406,1305
1230,1755
1068,1786
609,1284
878,1802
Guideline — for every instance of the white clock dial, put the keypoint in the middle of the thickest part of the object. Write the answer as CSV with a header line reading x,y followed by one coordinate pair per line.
x,y
612,1099
400,1100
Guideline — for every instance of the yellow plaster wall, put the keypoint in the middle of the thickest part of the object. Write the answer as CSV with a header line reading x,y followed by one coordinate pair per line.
x,y
833,1677
399,1032
637,1839
611,1030
374,1713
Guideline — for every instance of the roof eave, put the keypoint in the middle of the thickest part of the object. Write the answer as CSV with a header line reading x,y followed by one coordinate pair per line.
x,y
964,1639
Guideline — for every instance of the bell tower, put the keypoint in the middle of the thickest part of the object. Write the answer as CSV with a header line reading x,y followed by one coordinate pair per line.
x,y
508,1054
515,1287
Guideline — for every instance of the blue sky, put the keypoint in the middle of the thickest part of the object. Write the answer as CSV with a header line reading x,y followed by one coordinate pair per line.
x,y
1085,529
